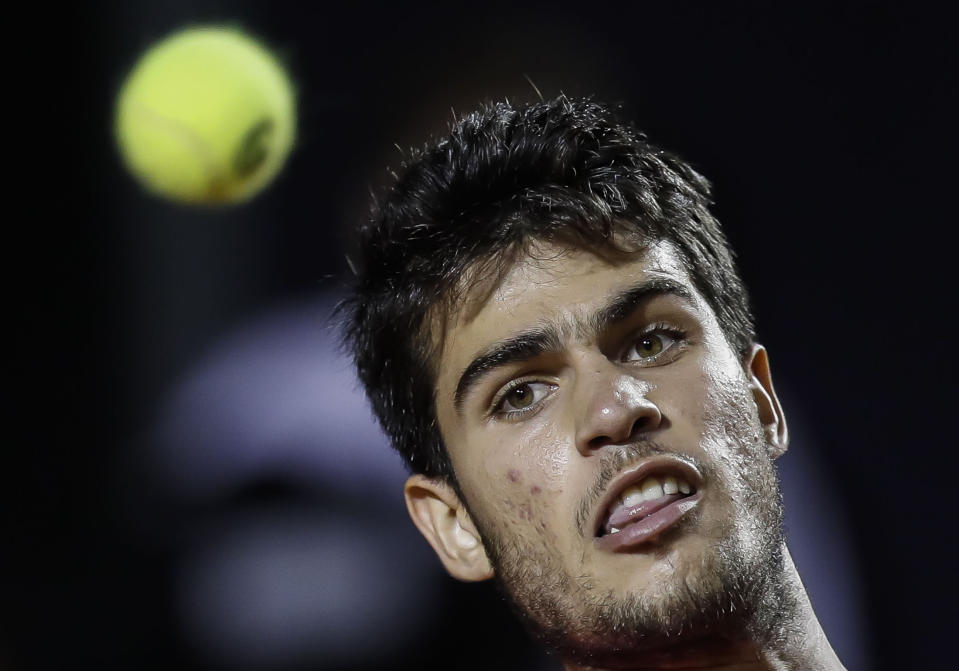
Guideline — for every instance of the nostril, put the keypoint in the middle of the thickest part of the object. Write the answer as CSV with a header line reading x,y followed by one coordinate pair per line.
x,y
599,441
641,424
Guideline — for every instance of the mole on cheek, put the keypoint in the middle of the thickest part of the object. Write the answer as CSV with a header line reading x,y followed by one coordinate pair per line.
x,y
513,475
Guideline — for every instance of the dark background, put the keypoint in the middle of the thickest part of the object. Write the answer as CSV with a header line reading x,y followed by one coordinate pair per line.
x,y
826,130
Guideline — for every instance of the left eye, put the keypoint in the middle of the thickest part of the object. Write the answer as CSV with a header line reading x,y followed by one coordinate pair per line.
x,y
649,346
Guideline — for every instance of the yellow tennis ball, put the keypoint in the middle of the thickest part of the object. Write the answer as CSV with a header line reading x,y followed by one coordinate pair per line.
x,y
206,116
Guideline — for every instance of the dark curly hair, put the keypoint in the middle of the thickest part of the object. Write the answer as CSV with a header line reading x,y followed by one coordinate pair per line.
x,y
560,171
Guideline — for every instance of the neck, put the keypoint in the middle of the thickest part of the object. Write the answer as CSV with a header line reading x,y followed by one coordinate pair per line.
x,y
798,644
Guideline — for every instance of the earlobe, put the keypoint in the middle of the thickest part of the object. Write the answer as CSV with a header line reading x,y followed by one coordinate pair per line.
x,y
756,365
443,520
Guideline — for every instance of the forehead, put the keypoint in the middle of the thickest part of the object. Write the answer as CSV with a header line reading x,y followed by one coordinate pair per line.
x,y
549,284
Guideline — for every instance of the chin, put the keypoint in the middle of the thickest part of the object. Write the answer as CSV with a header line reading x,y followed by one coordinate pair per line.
x,y
682,586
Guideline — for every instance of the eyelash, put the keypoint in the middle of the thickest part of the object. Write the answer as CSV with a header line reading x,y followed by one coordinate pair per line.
x,y
677,335
500,399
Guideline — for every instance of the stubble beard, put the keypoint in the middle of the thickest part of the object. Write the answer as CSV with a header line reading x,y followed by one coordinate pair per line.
x,y
736,592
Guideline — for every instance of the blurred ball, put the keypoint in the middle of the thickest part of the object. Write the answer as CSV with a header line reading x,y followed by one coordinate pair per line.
x,y
206,116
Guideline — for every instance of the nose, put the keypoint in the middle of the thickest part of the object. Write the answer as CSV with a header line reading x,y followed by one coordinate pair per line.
x,y
616,410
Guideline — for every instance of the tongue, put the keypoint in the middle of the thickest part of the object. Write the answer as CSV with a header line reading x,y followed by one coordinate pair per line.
x,y
621,515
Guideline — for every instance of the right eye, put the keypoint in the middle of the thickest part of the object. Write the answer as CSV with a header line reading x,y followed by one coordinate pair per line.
x,y
522,397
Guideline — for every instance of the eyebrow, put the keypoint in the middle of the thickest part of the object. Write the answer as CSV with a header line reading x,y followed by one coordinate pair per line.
x,y
539,340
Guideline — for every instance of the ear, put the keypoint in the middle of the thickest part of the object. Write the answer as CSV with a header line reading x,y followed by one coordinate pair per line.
x,y
443,520
756,365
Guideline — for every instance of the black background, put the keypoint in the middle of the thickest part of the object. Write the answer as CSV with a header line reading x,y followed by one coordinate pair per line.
x,y
828,132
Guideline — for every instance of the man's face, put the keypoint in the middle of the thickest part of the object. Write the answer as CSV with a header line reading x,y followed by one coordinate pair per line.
x,y
609,446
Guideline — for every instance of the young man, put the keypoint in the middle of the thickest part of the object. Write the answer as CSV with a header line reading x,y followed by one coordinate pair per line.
x,y
550,327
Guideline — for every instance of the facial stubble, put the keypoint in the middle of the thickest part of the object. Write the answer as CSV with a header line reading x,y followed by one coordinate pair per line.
x,y
735,590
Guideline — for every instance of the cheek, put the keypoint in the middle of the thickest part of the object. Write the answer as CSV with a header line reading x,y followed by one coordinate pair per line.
x,y
522,511
504,499
537,456
526,500
732,433
720,396
554,454
682,393
529,492
524,479
729,411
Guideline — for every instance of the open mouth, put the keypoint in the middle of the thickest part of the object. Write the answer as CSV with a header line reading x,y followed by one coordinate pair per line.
x,y
646,501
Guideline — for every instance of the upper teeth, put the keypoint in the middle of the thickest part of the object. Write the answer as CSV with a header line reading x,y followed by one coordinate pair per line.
x,y
654,488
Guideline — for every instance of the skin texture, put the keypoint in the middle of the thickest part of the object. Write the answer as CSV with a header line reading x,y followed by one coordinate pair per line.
x,y
535,467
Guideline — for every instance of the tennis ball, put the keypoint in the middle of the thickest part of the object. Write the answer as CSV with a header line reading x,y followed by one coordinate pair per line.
x,y
206,116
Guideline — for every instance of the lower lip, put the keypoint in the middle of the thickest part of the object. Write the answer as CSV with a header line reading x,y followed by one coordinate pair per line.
x,y
648,528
